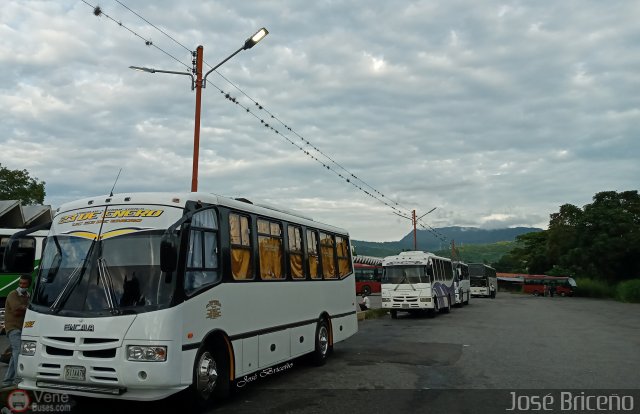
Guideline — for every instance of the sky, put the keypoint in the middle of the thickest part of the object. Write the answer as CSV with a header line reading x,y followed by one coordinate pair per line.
x,y
495,113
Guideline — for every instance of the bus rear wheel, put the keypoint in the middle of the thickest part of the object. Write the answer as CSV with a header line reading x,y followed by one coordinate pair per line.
x,y
210,376
366,290
319,356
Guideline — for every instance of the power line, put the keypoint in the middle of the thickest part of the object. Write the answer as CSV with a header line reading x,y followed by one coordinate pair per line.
x,y
261,107
380,197
153,25
97,11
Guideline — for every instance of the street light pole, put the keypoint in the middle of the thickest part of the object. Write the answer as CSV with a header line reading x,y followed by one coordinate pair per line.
x,y
198,84
196,127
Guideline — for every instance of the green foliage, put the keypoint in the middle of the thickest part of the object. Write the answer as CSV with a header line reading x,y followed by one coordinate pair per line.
x,y
18,185
629,291
375,313
480,253
594,288
601,242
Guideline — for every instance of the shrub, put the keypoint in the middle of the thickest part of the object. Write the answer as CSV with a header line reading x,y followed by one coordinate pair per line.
x,y
594,288
629,291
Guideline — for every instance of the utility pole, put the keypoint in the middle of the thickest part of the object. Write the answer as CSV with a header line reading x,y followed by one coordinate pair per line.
x,y
414,221
415,232
196,128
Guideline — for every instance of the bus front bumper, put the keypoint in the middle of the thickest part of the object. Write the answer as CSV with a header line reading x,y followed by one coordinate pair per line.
x,y
407,304
115,377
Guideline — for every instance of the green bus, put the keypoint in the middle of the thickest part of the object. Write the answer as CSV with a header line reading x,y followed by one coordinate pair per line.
x,y
29,251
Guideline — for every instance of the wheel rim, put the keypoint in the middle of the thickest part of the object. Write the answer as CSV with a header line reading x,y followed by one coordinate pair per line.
x,y
323,340
206,375
366,290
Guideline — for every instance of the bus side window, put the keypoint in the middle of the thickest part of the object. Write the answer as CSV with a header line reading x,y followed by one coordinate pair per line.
x,y
312,254
202,260
270,250
296,266
25,255
344,262
241,268
327,251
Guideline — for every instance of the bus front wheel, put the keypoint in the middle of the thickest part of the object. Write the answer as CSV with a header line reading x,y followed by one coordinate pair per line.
x,y
447,308
319,356
366,290
210,376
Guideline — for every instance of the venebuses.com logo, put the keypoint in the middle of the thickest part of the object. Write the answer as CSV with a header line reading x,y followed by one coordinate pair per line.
x,y
20,401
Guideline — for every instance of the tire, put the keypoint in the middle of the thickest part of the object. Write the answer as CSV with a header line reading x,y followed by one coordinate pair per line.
x,y
436,307
563,294
394,314
321,351
210,376
366,290
536,293
447,309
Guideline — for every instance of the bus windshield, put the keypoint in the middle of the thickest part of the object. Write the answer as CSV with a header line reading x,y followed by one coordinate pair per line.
x,y
405,274
478,282
80,276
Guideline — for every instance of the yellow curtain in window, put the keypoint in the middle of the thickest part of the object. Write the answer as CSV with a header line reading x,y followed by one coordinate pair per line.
x,y
313,267
295,262
234,228
344,267
328,263
270,258
241,263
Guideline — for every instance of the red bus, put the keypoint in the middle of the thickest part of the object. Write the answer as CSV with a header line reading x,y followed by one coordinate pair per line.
x,y
540,285
368,274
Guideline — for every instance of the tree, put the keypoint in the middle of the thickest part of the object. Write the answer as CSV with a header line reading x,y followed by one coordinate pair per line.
x,y
18,185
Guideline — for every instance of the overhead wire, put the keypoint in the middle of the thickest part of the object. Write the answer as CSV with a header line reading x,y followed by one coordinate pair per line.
x,y
369,190
97,11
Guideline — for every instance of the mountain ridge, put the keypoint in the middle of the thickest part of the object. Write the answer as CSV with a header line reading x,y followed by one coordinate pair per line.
x,y
428,241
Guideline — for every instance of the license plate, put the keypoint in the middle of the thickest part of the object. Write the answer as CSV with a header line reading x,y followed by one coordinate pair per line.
x,y
405,305
74,373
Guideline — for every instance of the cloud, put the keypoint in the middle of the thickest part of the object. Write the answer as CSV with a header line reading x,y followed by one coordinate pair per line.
x,y
495,113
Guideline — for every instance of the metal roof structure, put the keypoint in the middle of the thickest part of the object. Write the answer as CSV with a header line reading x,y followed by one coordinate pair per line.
x,y
368,260
14,215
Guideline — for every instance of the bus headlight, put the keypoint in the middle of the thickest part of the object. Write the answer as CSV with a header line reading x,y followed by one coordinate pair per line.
x,y
28,348
152,353
425,299
386,299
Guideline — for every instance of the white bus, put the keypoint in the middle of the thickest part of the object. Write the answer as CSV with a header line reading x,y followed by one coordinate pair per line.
x,y
484,281
27,260
461,283
143,295
417,282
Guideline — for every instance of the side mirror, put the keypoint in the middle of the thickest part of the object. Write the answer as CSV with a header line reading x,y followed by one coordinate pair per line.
x,y
168,254
15,260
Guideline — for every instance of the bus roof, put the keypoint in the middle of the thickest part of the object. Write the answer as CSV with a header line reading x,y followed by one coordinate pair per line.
x,y
410,258
179,200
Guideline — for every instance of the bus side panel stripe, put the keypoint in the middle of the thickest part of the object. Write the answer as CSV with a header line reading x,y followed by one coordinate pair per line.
x,y
283,327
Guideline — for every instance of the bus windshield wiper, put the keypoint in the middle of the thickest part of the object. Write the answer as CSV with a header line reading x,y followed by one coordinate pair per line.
x,y
74,279
401,281
107,286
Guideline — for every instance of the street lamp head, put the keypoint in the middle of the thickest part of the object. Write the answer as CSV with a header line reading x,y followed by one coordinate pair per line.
x,y
258,36
142,69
